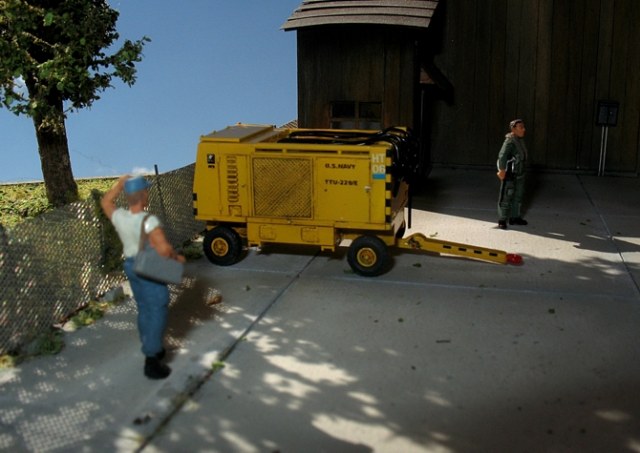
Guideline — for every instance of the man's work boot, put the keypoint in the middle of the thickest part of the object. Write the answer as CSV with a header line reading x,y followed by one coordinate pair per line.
x,y
155,369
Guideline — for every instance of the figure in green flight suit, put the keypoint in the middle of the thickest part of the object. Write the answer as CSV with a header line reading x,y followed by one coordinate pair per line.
x,y
511,172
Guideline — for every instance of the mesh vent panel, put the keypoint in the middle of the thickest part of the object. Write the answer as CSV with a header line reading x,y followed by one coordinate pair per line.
x,y
282,187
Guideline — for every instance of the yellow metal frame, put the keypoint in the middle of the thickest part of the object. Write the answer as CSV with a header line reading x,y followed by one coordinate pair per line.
x,y
294,193
419,241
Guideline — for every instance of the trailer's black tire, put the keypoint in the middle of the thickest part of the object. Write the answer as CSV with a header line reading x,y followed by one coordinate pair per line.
x,y
222,245
368,256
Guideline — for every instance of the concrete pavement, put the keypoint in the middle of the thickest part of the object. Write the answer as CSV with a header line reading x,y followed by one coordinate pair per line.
x,y
440,354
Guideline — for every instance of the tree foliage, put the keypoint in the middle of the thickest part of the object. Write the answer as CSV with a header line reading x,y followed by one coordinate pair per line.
x,y
54,57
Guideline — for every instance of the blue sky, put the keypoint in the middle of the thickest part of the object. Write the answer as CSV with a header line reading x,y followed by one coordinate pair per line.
x,y
210,64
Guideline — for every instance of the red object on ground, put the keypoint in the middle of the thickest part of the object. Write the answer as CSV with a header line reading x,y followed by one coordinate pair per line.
x,y
512,258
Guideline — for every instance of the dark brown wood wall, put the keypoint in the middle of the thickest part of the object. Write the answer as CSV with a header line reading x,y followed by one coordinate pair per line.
x,y
548,62
356,63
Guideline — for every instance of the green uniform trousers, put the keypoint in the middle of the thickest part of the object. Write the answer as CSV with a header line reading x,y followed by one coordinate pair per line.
x,y
510,200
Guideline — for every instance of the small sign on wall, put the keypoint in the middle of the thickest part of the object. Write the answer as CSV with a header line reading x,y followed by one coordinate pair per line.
x,y
607,114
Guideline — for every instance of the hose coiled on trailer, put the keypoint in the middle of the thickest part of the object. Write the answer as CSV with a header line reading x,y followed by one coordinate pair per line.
x,y
404,145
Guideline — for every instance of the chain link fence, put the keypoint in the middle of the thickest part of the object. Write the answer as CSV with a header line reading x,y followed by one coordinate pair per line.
x,y
55,264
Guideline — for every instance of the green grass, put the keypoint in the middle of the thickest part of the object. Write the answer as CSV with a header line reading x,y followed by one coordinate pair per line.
x,y
49,342
22,201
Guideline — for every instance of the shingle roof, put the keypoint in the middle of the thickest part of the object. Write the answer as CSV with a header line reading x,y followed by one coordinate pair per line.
x,y
405,13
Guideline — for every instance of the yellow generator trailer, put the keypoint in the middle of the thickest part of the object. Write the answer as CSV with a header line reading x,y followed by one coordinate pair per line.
x,y
258,184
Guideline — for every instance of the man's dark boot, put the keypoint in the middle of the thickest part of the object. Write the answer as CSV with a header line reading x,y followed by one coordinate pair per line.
x,y
502,224
518,221
155,369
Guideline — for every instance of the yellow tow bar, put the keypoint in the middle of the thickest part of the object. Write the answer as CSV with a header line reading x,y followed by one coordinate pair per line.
x,y
419,241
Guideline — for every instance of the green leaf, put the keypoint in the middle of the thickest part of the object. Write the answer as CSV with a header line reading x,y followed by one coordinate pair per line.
x,y
48,19
218,365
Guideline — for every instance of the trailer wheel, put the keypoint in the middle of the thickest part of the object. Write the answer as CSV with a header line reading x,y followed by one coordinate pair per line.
x,y
368,256
222,245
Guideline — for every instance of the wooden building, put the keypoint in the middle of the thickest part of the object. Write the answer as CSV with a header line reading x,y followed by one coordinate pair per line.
x,y
359,64
457,71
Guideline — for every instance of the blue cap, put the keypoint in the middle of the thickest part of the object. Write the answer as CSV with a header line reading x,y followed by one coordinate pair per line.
x,y
136,184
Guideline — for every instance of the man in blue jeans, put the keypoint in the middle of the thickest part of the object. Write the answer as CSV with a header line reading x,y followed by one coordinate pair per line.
x,y
152,298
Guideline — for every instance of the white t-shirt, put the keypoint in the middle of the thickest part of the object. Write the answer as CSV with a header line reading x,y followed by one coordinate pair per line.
x,y
128,224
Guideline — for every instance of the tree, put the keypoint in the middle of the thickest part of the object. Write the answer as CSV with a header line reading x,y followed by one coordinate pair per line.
x,y
53,60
